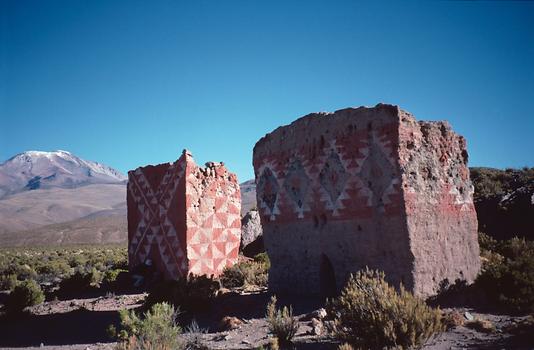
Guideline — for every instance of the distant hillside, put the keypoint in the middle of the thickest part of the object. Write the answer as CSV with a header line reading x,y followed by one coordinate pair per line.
x,y
248,196
32,209
110,227
504,200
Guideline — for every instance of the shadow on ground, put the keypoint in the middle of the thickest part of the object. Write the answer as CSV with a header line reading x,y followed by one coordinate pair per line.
x,y
86,327
76,327
248,307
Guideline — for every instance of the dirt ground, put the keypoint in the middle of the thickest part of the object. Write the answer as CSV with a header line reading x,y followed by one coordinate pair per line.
x,y
80,324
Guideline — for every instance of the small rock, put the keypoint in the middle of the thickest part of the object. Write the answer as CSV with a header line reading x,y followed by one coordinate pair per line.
x,y
230,323
317,326
318,314
468,316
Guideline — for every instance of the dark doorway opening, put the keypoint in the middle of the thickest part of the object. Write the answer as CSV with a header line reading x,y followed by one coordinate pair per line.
x,y
327,278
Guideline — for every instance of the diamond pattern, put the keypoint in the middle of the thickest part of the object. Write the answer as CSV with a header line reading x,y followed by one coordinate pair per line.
x,y
333,177
376,174
297,185
267,191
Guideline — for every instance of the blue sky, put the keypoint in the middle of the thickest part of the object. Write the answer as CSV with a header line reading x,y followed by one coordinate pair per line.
x,y
129,83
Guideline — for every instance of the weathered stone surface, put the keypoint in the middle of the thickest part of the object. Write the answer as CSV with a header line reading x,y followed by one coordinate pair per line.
x,y
250,228
184,218
365,187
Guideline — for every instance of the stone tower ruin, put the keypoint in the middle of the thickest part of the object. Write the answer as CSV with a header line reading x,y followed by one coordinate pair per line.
x,y
365,187
183,218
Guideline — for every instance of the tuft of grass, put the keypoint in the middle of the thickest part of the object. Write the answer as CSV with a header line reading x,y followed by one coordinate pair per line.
x,y
281,322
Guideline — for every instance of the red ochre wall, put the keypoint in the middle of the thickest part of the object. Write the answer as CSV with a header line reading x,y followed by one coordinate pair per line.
x,y
183,218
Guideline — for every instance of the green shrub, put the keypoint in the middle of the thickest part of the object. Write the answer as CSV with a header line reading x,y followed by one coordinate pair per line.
x,y
156,330
233,277
80,282
26,293
8,282
51,264
281,322
110,276
189,294
263,258
56,268
245,273
370,313
507,276
486,242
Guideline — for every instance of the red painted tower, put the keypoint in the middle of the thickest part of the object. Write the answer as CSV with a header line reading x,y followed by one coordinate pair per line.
x,y
184,218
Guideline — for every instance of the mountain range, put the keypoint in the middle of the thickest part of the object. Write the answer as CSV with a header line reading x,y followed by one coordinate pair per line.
x,y
57,198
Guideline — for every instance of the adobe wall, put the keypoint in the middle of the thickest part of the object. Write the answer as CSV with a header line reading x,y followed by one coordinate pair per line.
x,y
184,218
439,203
329,184
333,185
156,218
213,218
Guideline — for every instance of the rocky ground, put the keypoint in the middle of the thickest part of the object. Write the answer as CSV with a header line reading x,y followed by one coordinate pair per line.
x,y
80,324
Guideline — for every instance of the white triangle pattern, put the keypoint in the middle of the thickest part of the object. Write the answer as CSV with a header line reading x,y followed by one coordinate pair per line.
x,y
149,226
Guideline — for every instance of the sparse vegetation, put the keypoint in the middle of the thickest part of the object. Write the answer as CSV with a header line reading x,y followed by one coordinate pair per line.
x,y
507,276
26,293
370,313
491,182
156,330
281,322
50,265
503,201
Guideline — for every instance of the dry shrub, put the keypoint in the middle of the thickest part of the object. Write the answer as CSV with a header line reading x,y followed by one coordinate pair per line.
x,y
250,273
281,322
453,319
370,313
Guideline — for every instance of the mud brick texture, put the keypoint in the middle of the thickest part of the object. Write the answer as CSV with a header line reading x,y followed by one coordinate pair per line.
x,y
364,187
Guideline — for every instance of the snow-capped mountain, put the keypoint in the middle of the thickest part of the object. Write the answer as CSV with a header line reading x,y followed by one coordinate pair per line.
x,y
35,169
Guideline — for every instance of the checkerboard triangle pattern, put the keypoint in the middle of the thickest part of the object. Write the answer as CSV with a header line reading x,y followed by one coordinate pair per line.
x,y
214,231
